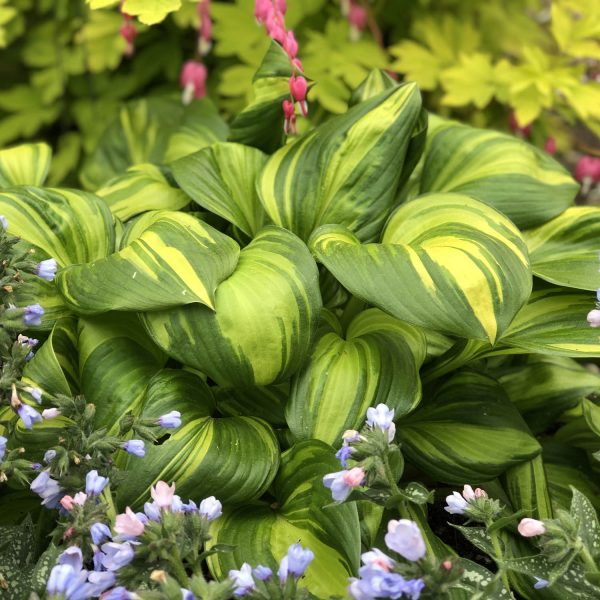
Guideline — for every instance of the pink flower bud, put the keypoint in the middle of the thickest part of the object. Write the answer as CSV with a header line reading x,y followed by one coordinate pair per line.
x,y
354,477
588,167
193,80
80,498
162,494
468,493
291,45
298,64
523,131
68,533
447,565
67,503
357,16
281,5
479,493
550,145
128,523
51,413
128,33
531,527
262,10
593,318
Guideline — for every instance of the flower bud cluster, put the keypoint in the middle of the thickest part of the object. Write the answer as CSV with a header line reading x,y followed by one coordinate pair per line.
x,y
357,17
260,582
474,503
271,14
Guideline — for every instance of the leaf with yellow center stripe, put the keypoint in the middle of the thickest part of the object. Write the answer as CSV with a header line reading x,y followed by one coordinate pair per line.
x,y
233,458
554,322
67,225
347,170
116,360
451,435
176,260
564,251
376,360
518,179
222,179
264,321
27,164
143,187
446,262
262,532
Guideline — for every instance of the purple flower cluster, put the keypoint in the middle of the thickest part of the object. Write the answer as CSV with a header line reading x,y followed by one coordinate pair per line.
x,y
377,578
293,564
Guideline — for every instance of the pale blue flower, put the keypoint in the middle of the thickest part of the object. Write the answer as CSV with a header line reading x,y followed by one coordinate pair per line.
x,y
47,488
405,538
540,583
298,560
242,580
3,222
47,269
171,420
100,581
28,415
3,442
99,532
94,483
49,456
32,315
262,573
116,555
210,508
343,454
134,447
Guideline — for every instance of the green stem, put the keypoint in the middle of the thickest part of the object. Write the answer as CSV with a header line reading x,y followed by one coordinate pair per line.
x,y
178,570
499,558
390,476
588,560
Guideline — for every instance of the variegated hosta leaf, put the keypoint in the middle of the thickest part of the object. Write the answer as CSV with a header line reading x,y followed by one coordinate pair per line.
x,y
554,322
116,360
467,431
260,124
446,262
152,130
55,367
68,225
567,466
345,171
564,251
262,533
374,83
222,179
143,187
527,488
542,387
518,179
376,360
27,164
232,458
176,260
265,317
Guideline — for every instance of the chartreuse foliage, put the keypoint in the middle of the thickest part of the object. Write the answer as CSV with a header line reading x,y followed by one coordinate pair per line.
x,y
271,294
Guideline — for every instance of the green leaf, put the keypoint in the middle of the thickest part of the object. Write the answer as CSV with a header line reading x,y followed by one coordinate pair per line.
x,y
471,81
583,511
234,458
591,413
150,12
142,188
521,181
264,322
26,164
375,82
175,260
151,130
345,171
263,532
451,435
564,250
222,179
554,322
543,387
54,367
503,522
527,488
376,360
260,124
478,536
116,360
462,266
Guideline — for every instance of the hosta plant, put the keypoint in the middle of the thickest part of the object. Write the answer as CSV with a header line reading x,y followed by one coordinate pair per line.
x,y
274,293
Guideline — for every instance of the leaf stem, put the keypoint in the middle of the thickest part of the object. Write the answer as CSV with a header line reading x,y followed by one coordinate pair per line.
x,y
499,557
588,560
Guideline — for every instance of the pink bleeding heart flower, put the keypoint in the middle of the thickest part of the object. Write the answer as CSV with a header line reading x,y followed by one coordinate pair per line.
x,y
298,89
550,145
357,17
262,10
291,45
289,113
588,167
193,80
